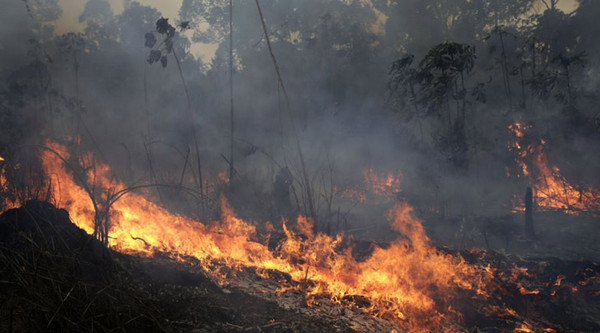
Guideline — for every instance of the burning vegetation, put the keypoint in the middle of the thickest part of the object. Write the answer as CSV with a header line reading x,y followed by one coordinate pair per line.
x,y
407,281
407,284
552,190
218,171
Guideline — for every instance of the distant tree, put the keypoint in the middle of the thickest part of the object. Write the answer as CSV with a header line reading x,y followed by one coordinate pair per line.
x,y
402,82
565,64
43,14
133,23
159,53
415,25
438,82
100,26
73,44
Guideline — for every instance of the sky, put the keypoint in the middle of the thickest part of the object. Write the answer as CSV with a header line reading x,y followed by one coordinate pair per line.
x,y
72,9
69,20
169,8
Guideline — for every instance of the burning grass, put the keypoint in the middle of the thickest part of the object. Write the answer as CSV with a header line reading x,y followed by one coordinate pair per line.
x,y
553,192
409,283
57,278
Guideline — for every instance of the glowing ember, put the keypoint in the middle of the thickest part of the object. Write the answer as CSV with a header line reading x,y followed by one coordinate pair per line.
x,y
524,328
552,190
410,281
528,328
525,291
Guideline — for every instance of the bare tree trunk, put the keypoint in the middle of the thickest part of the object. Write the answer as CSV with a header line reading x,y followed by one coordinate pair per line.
x,y
231,168
529,231
505,73
523,95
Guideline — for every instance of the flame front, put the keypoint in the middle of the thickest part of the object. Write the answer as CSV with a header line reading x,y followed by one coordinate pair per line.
x,y
410,281
552,190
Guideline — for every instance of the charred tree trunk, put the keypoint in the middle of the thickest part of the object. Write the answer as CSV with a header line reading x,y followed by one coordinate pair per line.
x,y
529,231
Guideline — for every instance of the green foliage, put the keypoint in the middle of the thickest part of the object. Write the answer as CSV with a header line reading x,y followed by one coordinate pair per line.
x,y
167,33
450,58
438,77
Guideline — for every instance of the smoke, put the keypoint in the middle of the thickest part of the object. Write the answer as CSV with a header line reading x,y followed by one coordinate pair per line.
x,y
334,65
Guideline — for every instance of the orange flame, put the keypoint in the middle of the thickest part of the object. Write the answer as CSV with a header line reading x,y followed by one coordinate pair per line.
x,y
223,177
559,280
410,280
552,190
5,202
524,328
383,184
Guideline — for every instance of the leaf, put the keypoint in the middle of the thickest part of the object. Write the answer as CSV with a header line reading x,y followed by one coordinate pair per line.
x,y
150,40
154,56
171,31
163,61
184,25
162,25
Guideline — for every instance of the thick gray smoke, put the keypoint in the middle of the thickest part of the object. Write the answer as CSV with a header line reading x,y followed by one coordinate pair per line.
x,y
448,138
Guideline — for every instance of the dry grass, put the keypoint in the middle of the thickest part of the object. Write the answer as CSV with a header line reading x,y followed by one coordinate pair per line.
x,y
55,278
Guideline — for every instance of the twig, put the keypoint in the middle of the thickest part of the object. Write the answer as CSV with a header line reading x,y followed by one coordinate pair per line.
x,y
59,307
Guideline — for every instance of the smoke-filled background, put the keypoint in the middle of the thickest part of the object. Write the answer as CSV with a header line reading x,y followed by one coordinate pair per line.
x,y
423,91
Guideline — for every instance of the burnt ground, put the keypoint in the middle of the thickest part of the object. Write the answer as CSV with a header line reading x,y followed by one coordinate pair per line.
x,y
558,235
56,278
193,303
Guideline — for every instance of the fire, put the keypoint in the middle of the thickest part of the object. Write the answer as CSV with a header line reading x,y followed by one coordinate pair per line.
x,y
223,177
524,328
355,195
525,291
410,281
518,129
382,184
552,190
5,201
527,328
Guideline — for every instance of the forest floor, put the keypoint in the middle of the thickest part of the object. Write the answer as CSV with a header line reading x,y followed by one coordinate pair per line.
x,y
57,278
